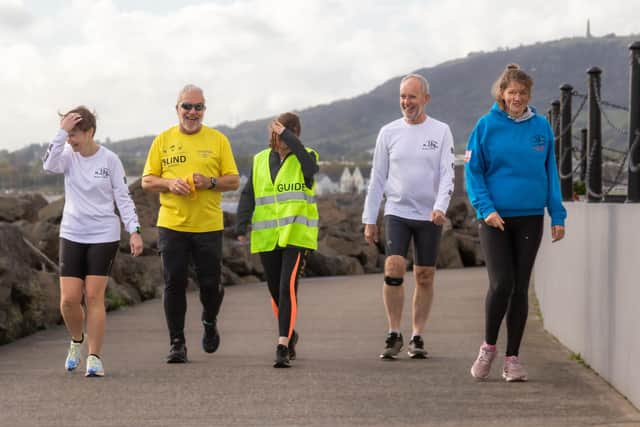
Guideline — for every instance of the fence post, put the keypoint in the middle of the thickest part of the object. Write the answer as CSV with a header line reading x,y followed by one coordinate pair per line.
x,y
594,140
583,158
633,189
555,125
566,181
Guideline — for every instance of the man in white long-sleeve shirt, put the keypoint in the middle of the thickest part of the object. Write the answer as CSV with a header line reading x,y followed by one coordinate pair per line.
x,y
413,166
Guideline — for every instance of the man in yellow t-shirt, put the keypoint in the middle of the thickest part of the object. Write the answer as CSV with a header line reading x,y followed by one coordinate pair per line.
x,y
190,165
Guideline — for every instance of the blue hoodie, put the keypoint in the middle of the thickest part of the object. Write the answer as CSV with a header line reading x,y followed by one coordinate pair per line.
x,y
511,167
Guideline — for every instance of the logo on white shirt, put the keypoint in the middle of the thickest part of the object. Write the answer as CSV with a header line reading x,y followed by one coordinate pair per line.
x,y
101,173
431,144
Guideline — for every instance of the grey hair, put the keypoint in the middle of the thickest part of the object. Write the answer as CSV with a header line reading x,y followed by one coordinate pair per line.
x,y
189,88
423,81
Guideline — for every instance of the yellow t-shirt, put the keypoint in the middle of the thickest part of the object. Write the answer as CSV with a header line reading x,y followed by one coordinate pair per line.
x,y
174,154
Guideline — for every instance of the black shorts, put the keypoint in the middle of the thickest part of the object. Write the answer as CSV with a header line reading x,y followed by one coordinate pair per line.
x,y
398,233
86,259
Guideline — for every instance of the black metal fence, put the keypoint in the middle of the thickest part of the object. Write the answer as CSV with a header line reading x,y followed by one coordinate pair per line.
x,y
588,154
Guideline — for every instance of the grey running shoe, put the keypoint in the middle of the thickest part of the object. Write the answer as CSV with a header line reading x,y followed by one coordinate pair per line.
x,y
416,348
292,345
482,366
177,352
393,347
513,370
282,357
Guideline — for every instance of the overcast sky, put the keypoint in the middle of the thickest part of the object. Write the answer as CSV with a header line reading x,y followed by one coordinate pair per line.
x,y
127,59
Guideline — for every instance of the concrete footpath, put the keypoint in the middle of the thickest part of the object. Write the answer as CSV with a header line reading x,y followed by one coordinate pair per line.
x,y
337,380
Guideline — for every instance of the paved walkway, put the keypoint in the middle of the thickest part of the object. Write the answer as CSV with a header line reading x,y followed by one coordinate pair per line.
x,y
337,380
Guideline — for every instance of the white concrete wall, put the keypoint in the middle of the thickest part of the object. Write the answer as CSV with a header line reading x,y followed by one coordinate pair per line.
x,y
588,285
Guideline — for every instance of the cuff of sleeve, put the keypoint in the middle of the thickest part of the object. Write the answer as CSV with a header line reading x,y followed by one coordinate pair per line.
x,y
557,222
61,136
440,208
135,229
487,211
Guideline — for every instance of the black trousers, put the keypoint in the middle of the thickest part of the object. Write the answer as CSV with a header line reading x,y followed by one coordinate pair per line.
x,y
510,256
177,250
282,268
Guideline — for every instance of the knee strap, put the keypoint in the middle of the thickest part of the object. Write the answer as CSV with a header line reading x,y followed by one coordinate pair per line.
x,y
393,281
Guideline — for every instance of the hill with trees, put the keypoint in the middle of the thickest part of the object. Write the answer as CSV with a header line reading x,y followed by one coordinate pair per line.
x,y
347,129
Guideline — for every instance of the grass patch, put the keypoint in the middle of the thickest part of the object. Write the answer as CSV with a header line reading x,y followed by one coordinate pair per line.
x,y
577,357
114,301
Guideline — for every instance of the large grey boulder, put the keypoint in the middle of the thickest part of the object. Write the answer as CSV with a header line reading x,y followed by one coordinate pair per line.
x,y
24,206
25,295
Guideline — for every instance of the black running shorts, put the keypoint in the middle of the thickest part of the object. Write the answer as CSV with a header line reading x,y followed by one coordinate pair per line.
x,y
398,233
86,259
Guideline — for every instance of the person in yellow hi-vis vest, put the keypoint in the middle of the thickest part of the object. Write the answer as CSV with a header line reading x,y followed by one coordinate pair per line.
x,y
279,201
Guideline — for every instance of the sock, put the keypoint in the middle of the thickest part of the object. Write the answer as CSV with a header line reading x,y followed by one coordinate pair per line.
x,y
415,334
81,339
490,347
93,354
394,331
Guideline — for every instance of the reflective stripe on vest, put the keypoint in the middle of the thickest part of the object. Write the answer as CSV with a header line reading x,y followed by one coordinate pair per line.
x,y
294,195
282,218
285,221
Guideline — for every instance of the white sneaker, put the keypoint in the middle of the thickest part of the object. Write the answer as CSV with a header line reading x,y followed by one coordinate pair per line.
x,y
73,356
94,367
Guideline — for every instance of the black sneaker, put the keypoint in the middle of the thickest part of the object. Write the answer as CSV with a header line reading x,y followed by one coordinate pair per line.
x,y
210,337
177,352
292,345
282,357
416,348
393,347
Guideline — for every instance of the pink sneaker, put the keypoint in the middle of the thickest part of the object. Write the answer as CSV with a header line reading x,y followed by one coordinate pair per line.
x,y
482,365
513,370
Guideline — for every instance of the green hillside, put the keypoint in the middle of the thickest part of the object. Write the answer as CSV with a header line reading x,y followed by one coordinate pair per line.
x,y
460,95
346,129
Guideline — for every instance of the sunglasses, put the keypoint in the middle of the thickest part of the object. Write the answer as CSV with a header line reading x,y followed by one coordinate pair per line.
x,y
188,106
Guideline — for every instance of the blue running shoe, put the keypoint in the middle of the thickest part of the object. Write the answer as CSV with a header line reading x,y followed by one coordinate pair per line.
x,y
73,356
94,367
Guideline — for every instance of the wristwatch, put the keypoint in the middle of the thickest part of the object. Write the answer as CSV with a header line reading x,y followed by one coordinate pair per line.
x,y
137,230
214,182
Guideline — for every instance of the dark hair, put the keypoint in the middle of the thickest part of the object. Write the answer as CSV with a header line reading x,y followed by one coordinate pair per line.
x,y
88,119
291,121
511,73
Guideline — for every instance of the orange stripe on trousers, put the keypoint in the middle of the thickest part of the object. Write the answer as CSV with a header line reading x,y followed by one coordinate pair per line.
x,y
292,293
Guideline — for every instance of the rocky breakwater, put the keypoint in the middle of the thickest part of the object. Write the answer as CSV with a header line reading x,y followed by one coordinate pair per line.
x,y
29,227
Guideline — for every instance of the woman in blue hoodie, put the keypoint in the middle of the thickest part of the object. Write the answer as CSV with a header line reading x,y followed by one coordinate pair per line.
x,y
511,177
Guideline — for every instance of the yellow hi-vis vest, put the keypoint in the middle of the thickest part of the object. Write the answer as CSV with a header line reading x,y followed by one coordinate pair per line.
x,y
285,211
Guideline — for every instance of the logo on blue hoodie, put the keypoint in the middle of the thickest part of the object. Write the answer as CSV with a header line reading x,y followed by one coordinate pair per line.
x,y
538,142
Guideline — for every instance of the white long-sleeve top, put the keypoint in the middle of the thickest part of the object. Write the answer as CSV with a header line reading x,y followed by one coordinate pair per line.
x,y
91,185
413,165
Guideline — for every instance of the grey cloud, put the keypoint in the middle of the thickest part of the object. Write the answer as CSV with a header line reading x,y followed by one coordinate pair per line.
x,y
15,18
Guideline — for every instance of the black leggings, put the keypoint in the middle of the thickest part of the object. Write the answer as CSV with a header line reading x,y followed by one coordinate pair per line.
x,y
510,255
282,267
177,250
